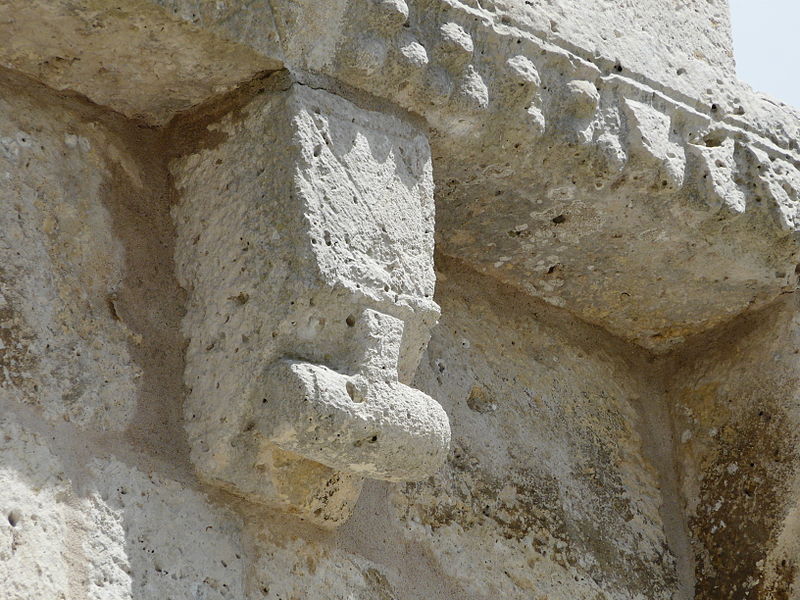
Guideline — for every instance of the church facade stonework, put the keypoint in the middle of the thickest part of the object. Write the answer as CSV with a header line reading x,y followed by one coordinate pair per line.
x,y
394,299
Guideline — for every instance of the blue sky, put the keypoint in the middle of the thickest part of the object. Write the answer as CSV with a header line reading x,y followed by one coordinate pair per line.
x,y
766,38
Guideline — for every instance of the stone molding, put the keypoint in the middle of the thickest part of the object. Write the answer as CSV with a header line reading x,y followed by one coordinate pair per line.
x,y
501,95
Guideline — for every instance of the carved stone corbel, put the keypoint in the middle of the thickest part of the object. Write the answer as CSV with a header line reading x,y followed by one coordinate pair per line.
x,y
305,239
365,422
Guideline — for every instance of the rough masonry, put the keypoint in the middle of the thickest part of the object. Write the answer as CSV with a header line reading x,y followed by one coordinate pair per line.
x,y
394,299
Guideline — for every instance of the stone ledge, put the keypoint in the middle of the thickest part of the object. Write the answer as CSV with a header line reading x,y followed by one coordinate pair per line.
x,y
684,196
128,55
674,176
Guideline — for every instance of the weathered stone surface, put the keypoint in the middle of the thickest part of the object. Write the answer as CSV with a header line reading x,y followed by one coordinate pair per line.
x,y
570,144
320,570
587,120
133,536
632,218
565,500
353,38
62,263
734,397
311,270
220,363
34,540
367,423
129,55
151,537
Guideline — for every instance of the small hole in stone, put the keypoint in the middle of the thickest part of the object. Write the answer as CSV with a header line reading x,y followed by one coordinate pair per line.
x,y
350,320
559,219
14,518
317,150
373,439
352,392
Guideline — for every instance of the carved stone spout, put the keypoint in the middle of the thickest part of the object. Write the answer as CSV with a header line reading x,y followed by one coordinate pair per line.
x,y
367,423
306,242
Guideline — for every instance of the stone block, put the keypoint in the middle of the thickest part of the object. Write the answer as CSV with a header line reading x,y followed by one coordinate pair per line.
x,y
62,264
131,56
306,241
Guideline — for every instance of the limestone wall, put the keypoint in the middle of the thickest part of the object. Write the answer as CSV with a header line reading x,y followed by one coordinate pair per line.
x,y
734,399
385,299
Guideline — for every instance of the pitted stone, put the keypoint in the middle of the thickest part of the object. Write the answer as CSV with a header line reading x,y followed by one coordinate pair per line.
x,y
327,260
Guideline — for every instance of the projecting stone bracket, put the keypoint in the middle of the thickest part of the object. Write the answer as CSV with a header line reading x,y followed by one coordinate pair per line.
x,y
305,239
367,423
